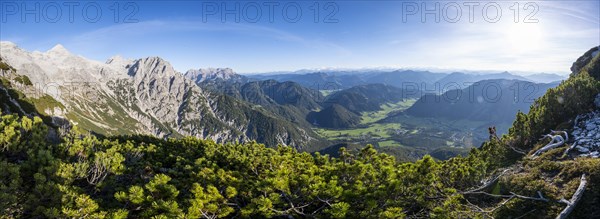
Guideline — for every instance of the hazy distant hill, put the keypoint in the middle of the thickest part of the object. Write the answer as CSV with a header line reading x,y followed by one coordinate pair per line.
x,y
318,80
491,100
545,77
406,79
343,80
459,80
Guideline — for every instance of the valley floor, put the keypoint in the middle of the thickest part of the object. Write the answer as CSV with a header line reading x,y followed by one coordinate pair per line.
x,y
395,132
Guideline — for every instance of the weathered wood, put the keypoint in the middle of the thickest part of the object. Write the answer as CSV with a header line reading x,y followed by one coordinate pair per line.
x,y
556,141
486,184
569,149
573,202
552,132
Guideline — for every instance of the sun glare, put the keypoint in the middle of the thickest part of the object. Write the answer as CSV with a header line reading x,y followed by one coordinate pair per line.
x,y
524,37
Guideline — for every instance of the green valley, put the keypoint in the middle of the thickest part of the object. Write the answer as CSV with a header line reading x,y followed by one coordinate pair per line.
x,y
386,109
393,131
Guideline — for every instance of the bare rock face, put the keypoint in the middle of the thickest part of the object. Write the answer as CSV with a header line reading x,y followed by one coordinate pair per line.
x,y
158,88
179,103
586,134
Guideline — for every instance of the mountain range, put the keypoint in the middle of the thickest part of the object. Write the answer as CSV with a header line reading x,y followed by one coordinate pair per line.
x,y
146,96
406,79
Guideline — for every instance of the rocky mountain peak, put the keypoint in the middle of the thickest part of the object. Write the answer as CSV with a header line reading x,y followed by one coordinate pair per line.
x,y
155,66
7,47
58,49
7,44
204,74
223,73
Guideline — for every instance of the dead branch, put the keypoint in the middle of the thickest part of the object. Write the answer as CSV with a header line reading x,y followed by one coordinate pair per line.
x,y
514,195
529,212
97,173
517,150
552,132
573,202
569,149
556,141
539,198
486,184
506,200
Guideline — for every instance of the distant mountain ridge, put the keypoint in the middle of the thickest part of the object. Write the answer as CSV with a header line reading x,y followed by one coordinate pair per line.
x,y
408,79
317,80
214,74
546,77
458,80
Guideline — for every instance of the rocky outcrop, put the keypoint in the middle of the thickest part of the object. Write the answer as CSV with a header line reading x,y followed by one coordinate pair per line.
x,y
584,60
586,135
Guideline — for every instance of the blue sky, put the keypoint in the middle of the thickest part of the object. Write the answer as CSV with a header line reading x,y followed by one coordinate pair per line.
x,y
346,34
